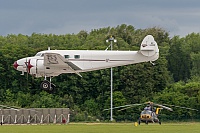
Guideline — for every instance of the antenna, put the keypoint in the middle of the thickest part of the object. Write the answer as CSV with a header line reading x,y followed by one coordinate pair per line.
x,y
152,63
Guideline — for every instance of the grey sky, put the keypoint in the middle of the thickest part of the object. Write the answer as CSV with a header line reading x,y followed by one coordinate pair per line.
x,y
178,17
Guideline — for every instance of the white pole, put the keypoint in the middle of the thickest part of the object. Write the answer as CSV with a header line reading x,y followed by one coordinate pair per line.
x,y
111,39
111,89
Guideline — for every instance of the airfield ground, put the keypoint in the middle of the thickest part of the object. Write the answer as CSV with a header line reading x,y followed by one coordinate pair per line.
x,y
103,128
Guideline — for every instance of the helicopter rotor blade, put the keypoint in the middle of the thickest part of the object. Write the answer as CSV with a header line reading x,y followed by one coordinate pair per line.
x,y
125,108
182,107
149,102
128,105
165,107
30,109
17,108
8,107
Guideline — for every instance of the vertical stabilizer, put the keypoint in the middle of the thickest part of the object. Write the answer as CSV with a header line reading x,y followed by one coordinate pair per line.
x,y
149,46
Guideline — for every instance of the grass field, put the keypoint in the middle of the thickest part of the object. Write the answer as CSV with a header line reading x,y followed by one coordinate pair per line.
x,y
103,128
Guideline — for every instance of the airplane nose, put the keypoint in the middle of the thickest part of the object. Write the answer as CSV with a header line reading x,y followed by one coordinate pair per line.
x,y
15,65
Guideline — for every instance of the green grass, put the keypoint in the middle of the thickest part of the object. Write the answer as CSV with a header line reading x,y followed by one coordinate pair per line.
x,y
103,128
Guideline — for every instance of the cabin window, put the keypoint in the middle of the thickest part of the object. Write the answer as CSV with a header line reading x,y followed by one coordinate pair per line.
x,y
76,56
67,56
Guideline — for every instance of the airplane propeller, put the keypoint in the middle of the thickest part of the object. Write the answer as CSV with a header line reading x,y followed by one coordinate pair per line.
x,y
26,64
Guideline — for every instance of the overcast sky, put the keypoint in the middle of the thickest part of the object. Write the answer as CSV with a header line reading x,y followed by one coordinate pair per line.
x,y
178,17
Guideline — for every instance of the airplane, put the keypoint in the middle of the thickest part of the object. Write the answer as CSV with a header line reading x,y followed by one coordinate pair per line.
x,y
51,63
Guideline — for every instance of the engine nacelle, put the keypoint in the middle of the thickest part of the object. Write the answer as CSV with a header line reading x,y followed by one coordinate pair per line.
x,y
36,67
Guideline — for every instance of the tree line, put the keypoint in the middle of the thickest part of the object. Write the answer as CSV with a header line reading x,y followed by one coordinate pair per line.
x,y
174,80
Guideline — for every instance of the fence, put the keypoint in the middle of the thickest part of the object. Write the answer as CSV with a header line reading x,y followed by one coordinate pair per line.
x,y
35,116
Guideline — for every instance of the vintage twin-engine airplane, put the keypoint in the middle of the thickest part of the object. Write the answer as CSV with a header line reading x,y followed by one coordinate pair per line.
x,y
51,63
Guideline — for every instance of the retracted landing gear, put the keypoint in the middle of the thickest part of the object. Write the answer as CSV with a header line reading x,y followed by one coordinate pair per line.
x,y
47,86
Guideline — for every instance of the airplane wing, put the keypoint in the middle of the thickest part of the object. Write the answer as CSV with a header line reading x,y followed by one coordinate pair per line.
x,y
56,60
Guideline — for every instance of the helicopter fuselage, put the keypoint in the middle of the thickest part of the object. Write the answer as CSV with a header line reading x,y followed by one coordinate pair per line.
x,y
148,116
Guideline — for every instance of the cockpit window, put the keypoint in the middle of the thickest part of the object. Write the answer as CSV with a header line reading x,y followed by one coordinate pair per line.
x,y
146,112
40,54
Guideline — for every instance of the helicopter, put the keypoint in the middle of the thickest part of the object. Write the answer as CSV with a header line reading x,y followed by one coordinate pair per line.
x,y
150,112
